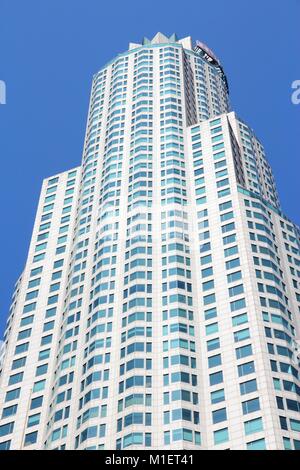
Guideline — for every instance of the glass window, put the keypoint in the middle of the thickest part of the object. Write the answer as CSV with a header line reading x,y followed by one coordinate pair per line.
x,y
217,396
6,429
5,445
214,361
221,436
216,378
240,319
243,351
256,445
237,305
247,368
38,386
9,411
12,394
16,378
248,387
36,402
33,420
241,335
219,415
212,328
213,344
250,406
255,425
30,438
295,425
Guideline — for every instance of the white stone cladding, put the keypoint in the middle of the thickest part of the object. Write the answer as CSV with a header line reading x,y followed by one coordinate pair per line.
x,y
159,304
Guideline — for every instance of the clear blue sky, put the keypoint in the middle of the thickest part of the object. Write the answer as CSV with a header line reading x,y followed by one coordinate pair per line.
x,y
50,49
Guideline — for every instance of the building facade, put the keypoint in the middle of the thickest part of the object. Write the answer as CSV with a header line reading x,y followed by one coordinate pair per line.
x,y
159,305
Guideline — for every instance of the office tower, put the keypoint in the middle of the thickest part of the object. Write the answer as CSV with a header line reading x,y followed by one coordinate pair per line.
x,y
159,305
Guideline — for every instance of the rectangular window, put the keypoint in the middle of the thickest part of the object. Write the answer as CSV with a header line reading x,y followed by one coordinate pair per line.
x,y
38,386
214,361
33,420
210,313
212,328
247,368
248,387
16,378
231,251
9,411
216,378
12,394
233,263
250,406
30,438
6,429
213,344
241,335
240,319
243,351
295,425
237,305
217,396
256,445
236,290
253,426
221,436
219,416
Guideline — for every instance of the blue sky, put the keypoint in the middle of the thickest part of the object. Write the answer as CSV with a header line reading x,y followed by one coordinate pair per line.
x,y
50,49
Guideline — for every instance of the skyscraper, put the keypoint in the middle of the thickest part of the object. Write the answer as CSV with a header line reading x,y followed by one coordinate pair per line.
x,y
159,305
